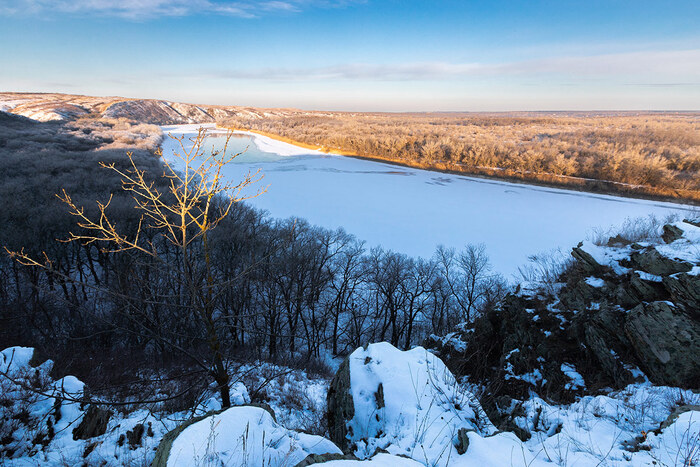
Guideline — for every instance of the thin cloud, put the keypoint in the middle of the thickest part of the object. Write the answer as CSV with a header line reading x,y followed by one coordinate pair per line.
x,y
681,65
147,9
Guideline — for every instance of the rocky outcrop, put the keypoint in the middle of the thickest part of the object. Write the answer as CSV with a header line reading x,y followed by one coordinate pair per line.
x,y
623,310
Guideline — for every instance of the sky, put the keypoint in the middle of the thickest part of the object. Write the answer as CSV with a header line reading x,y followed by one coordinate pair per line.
x,y
360,55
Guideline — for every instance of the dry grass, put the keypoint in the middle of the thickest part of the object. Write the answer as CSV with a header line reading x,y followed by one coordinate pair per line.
x,y
648,155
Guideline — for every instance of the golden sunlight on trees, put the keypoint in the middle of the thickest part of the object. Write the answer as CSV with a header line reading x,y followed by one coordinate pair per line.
x,y
196,200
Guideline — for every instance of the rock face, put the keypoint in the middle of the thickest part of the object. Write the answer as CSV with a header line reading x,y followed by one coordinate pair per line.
x,y
243,435
622,309
407,403
666,342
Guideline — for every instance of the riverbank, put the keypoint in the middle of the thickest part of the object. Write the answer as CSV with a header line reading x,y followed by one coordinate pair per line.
x,y
587,185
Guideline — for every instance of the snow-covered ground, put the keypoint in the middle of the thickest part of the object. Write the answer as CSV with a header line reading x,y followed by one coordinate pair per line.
x,y
642,425
412,211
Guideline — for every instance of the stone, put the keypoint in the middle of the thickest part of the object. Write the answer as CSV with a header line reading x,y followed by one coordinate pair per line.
x,y
134,435
671,233
586,261
340,406
312,459
462,443
653,262
666,343
684,290
94,423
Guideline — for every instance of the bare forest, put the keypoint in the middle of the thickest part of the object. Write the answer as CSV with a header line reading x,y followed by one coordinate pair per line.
x,y
252,287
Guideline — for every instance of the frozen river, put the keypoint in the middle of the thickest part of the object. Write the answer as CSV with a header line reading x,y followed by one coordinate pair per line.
x,y
413,211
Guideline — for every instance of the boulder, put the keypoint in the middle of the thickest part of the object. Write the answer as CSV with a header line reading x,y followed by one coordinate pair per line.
x,y
243,435
651,261
340,406
671,233
94,423
666,342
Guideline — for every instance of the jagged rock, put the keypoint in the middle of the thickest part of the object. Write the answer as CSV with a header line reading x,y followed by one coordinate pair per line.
x,y
685,290
645,290
666,342
462,441
599,346
340,406
586,261
651,261
671,233
94,423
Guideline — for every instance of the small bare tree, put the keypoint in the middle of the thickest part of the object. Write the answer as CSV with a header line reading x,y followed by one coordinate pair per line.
x,y
198,198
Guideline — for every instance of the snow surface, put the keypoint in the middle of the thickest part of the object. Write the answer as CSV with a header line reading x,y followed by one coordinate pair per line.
x,y
413,211
244,436
593,430
617,429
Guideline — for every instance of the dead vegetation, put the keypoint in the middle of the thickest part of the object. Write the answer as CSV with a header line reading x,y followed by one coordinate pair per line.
x,y
649,155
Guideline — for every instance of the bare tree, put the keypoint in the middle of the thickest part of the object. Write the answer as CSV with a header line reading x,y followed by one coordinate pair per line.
x,y
196,201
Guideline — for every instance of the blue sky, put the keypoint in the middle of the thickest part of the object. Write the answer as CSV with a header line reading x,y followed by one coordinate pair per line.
x,y
360,55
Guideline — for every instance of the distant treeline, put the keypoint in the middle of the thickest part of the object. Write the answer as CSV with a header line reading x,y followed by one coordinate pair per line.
x,y
285,289
655,155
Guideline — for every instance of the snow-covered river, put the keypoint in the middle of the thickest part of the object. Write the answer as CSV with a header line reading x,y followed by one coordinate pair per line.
x,y
413,211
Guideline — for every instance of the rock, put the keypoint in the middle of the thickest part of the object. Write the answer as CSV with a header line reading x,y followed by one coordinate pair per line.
x,y
134,435
677,412
685,290
94,423
586,261
340,406
378,460
671,233
312,459
163,451
242,435
645,290
651,261
618,240
462,441
666,343
598,344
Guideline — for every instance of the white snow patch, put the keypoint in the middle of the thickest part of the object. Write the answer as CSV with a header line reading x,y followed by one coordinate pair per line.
x,y
244,436
595,282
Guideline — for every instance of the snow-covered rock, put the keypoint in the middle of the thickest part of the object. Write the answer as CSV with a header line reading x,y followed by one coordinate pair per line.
x,y
239,436
408,403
